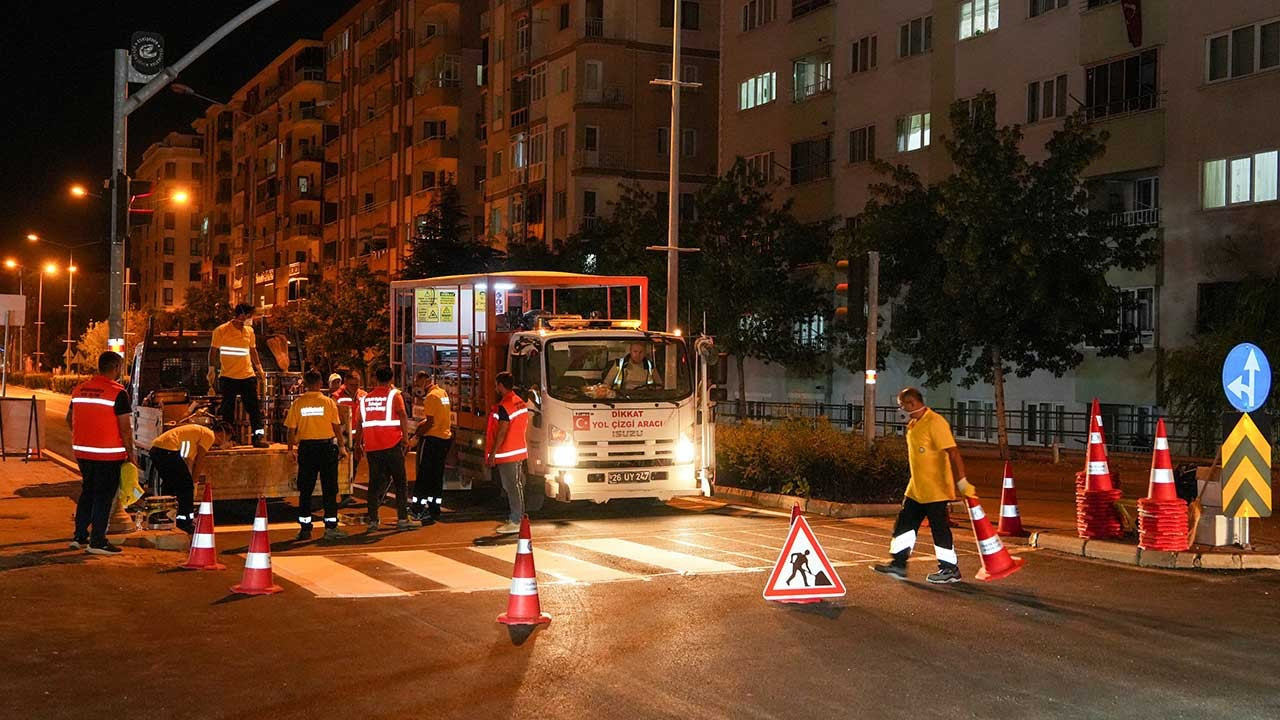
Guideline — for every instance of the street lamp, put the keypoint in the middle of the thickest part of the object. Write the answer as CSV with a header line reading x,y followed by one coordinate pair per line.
x,y
80,191
48,269
71,270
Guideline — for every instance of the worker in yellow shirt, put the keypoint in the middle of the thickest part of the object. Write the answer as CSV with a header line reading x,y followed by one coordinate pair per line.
x,y
234,350
315,430
935,463
435,435
178,456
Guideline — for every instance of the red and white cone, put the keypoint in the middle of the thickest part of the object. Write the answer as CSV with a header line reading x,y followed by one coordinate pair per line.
x,y
1162,515
257,579
1097,469
1096,516
204,552
523,607
996,561
795,513
1010,520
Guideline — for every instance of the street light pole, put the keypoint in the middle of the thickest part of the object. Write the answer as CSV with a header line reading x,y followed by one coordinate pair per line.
x,y
71,283
40,322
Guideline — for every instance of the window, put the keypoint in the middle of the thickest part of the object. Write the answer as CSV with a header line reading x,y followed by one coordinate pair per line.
x,y
170,170
810,77
588,203
1138,312
564,79
168,246
1243,51
193,272
1122,86
664,139
1047,99
434,129
758,90
496,168
664,71
689,14
538,82
1040,7
862,144
975,105
560,140
756,13
591,138
864,54
689,73
559,204
760,166
564,16
913,132
537,147
688,142
810,160
1239,180
170,221
915,37
197,171
196,247
978,17
194,222
804,7
495,221
519,151
498,109
168,271
168,297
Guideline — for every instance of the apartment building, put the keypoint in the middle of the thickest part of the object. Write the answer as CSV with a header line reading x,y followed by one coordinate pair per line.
x,y
217,130
814,89
404,121
165,255
569,114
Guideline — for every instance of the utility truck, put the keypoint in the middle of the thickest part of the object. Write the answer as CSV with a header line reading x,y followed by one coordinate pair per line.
x,y
618,411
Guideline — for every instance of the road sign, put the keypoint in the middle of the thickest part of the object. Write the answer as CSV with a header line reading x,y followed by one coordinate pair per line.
x,y
1246,377
146,54
803,571
1246,471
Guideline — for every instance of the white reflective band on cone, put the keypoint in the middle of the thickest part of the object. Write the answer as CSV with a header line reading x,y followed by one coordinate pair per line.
x,y
1098,468
1161,475
905,541
991,545
202,540
976,513
259,524
206,508
1095,438
1162,443
257,561
1008,482
1008,511
524,586
524,547
946,555
1099,419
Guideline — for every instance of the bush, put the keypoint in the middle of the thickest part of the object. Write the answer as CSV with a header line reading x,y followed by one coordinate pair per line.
x,y
805,459
66,383
46,381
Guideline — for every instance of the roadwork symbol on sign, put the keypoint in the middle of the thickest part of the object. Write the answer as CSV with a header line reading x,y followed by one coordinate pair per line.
x,y
1246,471
803,571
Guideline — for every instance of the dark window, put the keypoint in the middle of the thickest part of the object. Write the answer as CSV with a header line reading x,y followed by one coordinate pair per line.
x,y
170,170
915,37
193,273
564,16
810,160
168,271
1122,86
1039,7
689,14
802,7
862,144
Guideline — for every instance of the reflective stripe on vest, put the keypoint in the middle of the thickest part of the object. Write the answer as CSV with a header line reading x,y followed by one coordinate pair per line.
x,y
380,425
622,369
235,351
513,446
95,431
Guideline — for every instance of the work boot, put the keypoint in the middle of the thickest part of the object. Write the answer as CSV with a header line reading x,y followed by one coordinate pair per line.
x,y
892,569
945,575
425,519
103,548
507,528
260,442
374,525
78,543
304,533
334,533
404,524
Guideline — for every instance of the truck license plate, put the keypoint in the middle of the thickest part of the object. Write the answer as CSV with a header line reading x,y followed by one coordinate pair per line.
x,y
629,476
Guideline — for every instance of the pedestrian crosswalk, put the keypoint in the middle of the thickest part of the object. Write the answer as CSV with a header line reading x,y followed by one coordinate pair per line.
x,y
568,559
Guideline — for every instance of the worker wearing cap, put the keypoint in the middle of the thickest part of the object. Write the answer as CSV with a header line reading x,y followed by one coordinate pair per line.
x,y
435,436
315,429
178,456
234,351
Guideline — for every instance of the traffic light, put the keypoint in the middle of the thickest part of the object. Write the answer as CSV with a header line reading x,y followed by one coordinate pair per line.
x,y
853,288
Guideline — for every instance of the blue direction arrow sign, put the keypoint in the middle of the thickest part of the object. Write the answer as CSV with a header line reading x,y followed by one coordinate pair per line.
x,y
1246,377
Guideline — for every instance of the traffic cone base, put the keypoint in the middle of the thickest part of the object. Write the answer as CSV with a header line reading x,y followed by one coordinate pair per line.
x,y
997,563
523,607
203,554
1162,516
1014,566
257,579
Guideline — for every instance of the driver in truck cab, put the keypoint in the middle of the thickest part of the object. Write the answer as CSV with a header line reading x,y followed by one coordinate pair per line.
x,y
633,370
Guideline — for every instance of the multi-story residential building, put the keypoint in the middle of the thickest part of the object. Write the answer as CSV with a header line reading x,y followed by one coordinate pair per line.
x,y
166,254
217,128
814,89
404,119
570,113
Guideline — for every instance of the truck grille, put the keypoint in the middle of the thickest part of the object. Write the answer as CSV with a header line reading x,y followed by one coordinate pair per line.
x,y
625,453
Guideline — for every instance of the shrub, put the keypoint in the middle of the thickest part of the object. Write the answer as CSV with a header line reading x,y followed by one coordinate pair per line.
x,y
802,458
46,381
66,383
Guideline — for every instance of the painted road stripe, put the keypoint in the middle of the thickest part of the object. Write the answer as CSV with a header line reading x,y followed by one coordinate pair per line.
x,y
446,571
562,567
680,562
710,548
327,578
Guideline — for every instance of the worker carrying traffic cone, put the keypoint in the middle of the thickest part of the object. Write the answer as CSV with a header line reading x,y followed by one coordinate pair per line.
x,y
937,471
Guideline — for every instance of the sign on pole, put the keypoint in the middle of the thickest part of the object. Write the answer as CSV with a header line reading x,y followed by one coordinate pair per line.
x,y
1246,471
1246,377
146,55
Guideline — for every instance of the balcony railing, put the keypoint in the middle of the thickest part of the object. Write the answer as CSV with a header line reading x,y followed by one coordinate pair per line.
x,y
1125,106
817,87
309,154
1145,217
596,159
307,230
595,28
520,117
312,194
607,95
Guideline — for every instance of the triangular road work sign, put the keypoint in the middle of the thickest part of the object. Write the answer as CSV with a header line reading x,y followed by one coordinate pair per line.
x,y
803,571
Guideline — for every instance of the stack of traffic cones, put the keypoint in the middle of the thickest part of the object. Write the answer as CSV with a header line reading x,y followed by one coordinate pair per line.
x,y
257,579
1162,515
523,607
204,552
1010,520
997,563
1096,516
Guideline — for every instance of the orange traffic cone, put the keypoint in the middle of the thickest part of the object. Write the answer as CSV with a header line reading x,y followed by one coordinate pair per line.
x,y
1162,515
204,554
257,579
1010,520
1097,471
996,561
1096,516
1162,487
522,604
795,513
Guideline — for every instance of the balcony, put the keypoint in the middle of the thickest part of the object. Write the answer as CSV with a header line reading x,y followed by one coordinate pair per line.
x,y
306,230
309,154
519,117
266,206
597,28
303,269
311,194
437,147
598,160
1146,217
438,93
521,58
223,166
609,95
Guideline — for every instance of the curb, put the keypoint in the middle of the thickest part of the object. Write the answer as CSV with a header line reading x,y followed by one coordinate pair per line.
x,y
1134,555
820,507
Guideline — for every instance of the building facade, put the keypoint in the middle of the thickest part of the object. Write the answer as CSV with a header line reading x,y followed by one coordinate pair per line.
x,y
166,254
570,115
812,90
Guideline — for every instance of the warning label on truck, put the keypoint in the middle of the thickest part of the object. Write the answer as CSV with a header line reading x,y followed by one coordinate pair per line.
x,y
621,423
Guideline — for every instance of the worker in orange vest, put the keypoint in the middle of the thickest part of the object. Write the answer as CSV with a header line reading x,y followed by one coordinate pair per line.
x,y
102,441
509,449
384,433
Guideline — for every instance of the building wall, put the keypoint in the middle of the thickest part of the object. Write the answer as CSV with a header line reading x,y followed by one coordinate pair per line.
x,y
166,254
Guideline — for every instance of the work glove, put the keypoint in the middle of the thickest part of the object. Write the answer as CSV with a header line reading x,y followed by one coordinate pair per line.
x,y
967,489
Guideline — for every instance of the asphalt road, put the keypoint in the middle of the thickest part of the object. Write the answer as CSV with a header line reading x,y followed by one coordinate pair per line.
x,y
1063,638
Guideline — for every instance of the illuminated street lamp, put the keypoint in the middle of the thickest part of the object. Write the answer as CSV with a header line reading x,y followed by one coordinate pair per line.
x,y
48,269
71,270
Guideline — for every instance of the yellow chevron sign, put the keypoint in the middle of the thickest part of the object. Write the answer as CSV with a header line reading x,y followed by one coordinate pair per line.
x,y
1246,471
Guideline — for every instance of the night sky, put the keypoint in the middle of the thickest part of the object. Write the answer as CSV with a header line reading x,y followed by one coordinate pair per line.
x,y
57,124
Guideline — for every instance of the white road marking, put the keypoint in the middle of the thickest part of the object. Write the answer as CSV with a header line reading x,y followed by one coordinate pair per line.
x,y
680,562
564,567
446,571
330,579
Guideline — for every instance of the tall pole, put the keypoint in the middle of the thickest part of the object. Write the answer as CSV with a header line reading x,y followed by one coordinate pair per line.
x,y
22,330
674,146
40,322
119,197
873,317
71,283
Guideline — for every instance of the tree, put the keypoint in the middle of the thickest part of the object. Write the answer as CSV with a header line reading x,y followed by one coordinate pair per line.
x,y
204,308
751,277
443,244
346,322
94,340
1001,267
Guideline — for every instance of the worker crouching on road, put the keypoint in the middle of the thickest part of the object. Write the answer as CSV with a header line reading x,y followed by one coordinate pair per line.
x,y
102,441
435,436
234,350
384,433
315,430
935,461
510,421
178,456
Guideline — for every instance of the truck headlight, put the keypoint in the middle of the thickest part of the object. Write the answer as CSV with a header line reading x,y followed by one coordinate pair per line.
x,y
684,450
564,455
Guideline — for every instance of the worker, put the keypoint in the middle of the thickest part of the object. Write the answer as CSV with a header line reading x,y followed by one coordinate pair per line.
x,y
178,456
384,433
315,433
509,449
102,442
435,436
935,461
633,370
348,398
234,349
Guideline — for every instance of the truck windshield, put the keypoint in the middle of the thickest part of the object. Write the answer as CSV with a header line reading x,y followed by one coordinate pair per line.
x,y
640,369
